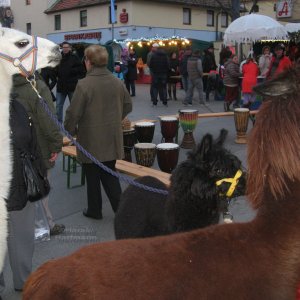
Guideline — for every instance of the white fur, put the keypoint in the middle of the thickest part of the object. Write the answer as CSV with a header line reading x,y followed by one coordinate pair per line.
x,y
48,55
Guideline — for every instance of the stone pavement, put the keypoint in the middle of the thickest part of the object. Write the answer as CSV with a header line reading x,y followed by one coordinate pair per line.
x,y
67,204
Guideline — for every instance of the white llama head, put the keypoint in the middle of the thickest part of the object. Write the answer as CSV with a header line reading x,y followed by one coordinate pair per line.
x,y
14,43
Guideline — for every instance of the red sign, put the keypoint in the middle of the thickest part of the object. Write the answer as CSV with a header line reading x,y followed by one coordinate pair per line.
x,y
123,16
284,9
83,36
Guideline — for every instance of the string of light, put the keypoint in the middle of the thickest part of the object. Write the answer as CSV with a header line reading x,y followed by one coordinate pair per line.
x,y
162,41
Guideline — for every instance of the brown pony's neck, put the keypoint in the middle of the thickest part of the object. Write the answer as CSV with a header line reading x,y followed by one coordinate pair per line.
x,y
281,212
274,151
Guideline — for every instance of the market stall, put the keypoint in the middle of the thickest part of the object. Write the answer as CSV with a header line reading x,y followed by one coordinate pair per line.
x,y
251,29
171,44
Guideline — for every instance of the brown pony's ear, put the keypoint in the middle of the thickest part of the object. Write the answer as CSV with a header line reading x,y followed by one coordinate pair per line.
x,y
284,84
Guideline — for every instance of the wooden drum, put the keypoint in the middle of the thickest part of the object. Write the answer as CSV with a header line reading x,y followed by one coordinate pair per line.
x,y
169,128
145,154
129,139
167,156
188,120
144,131
241,118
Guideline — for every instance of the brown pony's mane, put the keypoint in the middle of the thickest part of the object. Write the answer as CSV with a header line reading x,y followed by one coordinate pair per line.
x,y
274,143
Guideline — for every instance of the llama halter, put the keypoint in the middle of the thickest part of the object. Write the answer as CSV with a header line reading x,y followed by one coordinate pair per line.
x,y
17,61
234,182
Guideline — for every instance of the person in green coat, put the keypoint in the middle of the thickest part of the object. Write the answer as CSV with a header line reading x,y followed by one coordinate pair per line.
x,y
99,104
49,137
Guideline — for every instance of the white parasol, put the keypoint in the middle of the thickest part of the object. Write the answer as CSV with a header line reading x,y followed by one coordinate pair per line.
x,y
253,27
292,27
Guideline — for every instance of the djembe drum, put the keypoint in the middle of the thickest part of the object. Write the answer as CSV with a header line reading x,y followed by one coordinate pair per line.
x,y
145,154
241,118
188,120
169,128
167,156
129,139
144,131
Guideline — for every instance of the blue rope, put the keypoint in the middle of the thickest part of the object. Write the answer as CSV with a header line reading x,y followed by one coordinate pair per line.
x,y
91,157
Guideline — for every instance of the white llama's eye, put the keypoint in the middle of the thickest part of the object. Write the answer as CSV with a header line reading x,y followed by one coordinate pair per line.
x,y
22,44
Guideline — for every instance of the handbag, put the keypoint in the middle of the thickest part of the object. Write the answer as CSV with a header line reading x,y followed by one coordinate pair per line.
x,y
36,183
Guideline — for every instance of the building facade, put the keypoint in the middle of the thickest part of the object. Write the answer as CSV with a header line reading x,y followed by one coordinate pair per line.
x,y
91,22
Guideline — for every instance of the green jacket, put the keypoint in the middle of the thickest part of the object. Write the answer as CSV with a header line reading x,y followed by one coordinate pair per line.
x,y
48,135
99,104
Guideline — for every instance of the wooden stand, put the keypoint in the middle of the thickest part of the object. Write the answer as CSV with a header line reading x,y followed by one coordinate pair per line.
x,y
188,141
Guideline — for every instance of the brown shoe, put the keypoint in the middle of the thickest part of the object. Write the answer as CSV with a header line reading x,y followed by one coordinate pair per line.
x,y
57,229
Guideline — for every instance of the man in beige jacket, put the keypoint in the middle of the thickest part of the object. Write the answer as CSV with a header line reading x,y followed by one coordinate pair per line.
x,y
99,104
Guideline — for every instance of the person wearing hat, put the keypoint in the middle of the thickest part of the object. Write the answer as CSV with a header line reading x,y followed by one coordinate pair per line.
x,y
208,65
279,61
265,61
159,66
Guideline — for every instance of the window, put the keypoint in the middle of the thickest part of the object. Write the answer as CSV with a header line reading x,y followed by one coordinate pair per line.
x,y
28,28
109,13
187,16
83,18
224,19
210,18
57,22
27,2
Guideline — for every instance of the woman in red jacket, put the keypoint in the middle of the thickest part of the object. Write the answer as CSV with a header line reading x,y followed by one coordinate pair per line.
x,y
279,61
250,72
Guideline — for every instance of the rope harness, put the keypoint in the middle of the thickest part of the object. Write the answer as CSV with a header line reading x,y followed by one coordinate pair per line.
x,y
30,77
17,61
234,182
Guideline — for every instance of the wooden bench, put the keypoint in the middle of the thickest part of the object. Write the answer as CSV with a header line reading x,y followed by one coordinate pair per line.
x,y
214,115
122,166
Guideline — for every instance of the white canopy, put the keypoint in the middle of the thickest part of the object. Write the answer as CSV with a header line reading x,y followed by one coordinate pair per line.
x,y
292,27
253,27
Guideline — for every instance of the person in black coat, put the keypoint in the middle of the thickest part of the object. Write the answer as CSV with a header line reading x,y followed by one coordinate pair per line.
x,y
49,75
69,71
209,64
21,212
183,68
173,71
131,75
159,67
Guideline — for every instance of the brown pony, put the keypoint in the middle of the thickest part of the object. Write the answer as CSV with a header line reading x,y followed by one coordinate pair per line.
x,y
255,260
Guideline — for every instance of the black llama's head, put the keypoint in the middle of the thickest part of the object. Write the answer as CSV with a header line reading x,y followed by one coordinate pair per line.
x,y
218,166
199,184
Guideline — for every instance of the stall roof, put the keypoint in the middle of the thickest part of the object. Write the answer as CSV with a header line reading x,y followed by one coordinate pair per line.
x,y
62,5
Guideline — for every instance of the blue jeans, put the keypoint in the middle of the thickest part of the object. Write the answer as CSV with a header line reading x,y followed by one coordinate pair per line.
x,y
194,83
60,101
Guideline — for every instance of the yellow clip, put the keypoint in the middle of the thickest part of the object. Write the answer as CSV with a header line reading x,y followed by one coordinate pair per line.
x,y
234,182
